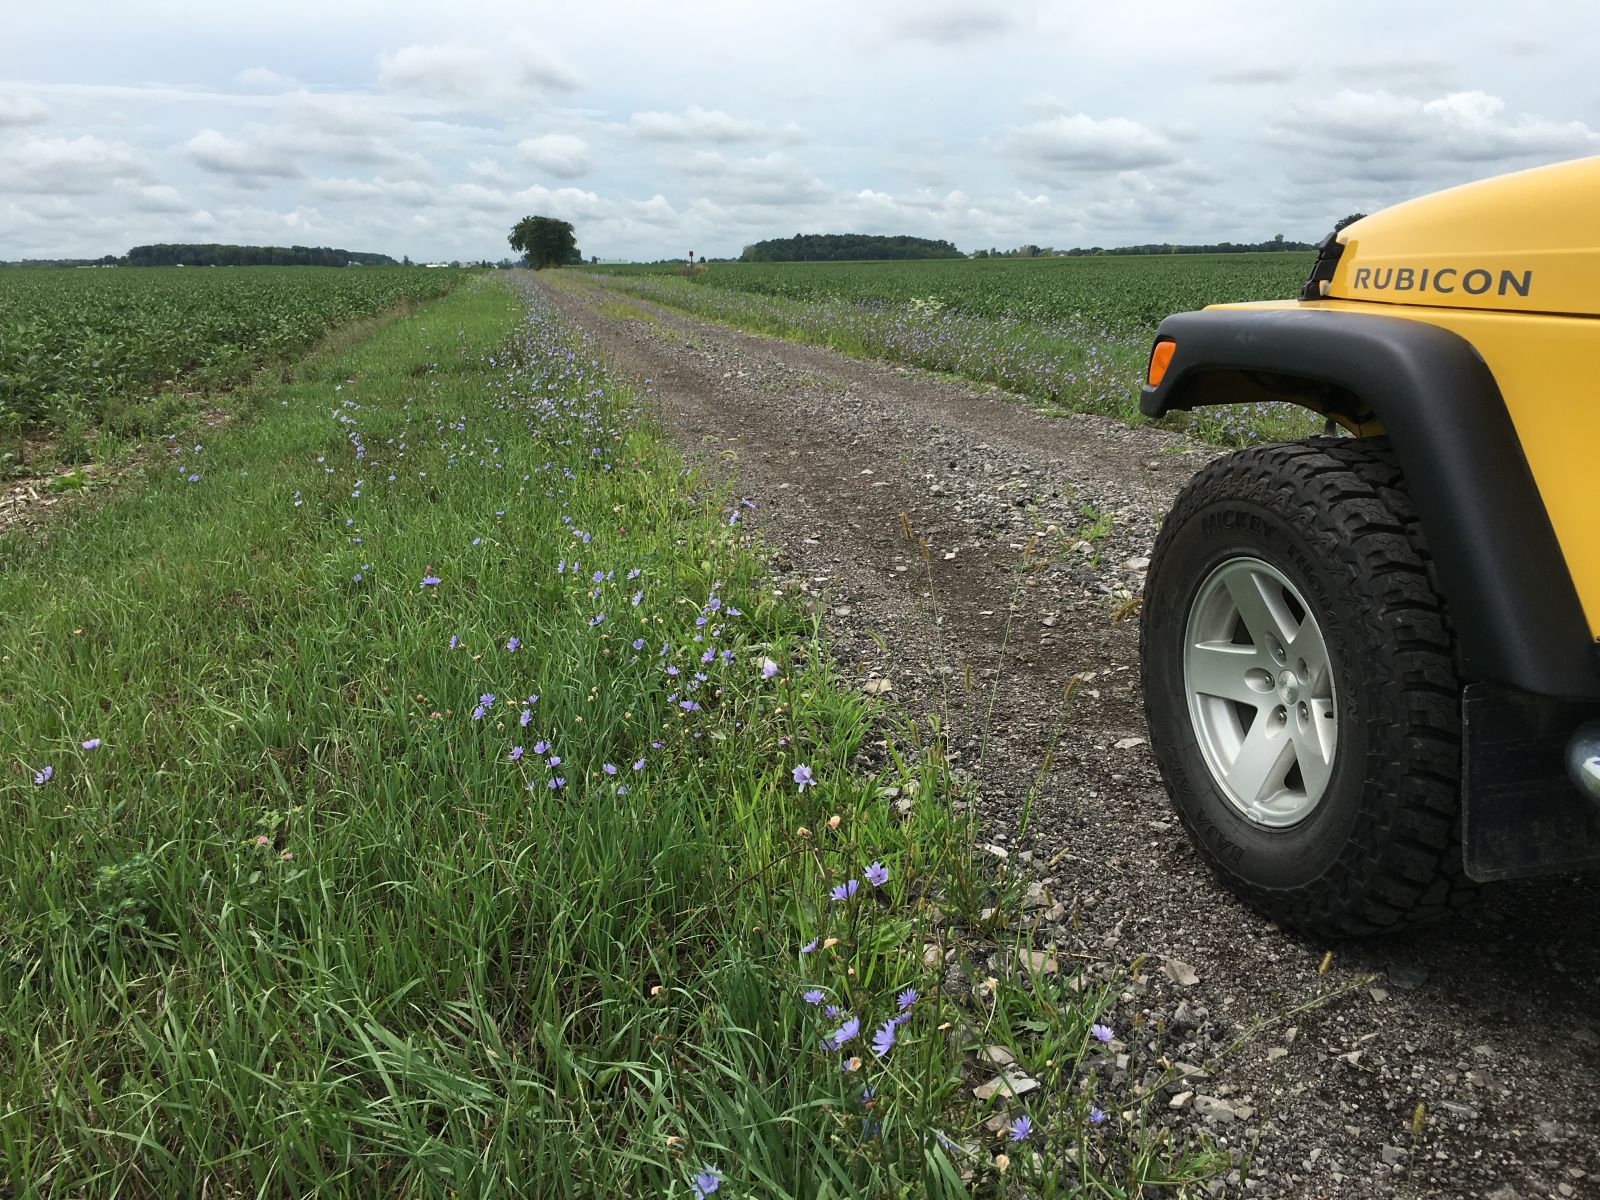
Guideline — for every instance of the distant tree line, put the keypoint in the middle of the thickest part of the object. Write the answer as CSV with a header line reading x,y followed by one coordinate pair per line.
x,y
213,255
109,260
839,247
1032,251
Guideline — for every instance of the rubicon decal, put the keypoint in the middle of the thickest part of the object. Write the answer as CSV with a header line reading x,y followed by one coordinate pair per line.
x,y
1475,281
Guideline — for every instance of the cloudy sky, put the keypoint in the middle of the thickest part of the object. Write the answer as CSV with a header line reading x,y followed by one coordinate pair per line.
x,y
660,127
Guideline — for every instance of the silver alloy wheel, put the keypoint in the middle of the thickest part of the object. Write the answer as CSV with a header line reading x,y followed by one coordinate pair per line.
x,y
1260,692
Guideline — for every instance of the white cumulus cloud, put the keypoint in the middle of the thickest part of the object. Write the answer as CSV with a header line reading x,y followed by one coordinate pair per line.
x,y
1078,142
70,166
477,77
700,125
17,109
561,154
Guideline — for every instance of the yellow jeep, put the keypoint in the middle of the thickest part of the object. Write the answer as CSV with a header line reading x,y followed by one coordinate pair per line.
x,y
1370,658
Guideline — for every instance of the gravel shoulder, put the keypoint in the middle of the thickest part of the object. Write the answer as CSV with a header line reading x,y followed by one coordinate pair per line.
x,y
1491,1023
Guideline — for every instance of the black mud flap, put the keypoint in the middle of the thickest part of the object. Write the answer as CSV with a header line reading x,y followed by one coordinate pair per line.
x,y
1521,814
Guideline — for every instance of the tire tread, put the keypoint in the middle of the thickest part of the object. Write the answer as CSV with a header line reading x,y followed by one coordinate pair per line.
x,y
1406,868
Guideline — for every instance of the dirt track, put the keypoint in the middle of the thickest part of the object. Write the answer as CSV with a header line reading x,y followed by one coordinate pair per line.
x,y
1491,1022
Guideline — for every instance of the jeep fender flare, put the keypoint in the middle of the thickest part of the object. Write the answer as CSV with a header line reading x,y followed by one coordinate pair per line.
x,y
1516,612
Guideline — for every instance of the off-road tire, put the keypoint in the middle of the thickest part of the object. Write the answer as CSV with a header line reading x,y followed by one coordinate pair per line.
x,y
1381,850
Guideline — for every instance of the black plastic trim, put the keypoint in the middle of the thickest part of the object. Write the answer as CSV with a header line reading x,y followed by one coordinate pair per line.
x,y
1512,599
1329,250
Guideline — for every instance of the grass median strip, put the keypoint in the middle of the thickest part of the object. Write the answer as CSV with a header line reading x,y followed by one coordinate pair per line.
x,y
419,790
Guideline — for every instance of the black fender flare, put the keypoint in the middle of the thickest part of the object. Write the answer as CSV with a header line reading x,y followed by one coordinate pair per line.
x,y
1511,596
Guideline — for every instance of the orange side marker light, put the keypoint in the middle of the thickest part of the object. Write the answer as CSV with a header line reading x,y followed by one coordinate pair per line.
x,y
1160,358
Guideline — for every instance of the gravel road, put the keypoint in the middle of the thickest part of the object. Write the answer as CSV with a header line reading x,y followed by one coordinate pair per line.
x,y
1491,1022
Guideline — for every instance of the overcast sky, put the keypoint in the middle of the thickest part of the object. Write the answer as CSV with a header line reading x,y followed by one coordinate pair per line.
x,y
657,128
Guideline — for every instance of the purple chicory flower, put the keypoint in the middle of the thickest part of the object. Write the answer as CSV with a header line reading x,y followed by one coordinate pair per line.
x,y
810,946
1096,1117
527,716
516,753
814,996
454,641
883,1039
1101,1033
804,777
638,644
553,761
768,668
513,643
44,775
707,1181
845,1032
638,764
477,713
556,783
845,890
540,747
906,999
1020,1128
92,744
430,581
830,1011
609,768
597,618
877,874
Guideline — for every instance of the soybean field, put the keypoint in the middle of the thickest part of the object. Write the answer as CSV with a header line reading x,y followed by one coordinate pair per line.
x,y
1123,293
90,347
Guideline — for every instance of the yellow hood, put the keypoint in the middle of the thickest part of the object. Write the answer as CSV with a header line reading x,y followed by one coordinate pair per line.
x,y
1526,242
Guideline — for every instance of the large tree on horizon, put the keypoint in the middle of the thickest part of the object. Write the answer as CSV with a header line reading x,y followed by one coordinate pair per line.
x,y
545,242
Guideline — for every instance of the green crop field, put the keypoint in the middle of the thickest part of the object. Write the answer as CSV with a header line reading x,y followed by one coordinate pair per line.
x,y
1071,333
1125,294
87,348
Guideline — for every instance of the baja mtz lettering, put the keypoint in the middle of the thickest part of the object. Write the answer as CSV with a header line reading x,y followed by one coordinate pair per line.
x,y
1475,281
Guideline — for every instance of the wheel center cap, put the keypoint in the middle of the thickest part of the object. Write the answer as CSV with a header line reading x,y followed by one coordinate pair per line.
x,y
1288,687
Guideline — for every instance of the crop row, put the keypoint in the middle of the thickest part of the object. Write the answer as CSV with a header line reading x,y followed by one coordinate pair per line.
x,y
77,345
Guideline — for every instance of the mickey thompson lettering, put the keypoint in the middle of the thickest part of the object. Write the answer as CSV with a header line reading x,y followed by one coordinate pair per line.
x,y
1475,282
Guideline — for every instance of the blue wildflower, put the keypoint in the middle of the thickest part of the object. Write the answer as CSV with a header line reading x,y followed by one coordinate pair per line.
x,y
845,1032
883,1039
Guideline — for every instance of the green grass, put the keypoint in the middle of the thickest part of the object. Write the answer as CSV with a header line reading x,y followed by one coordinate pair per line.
x,y
300,926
